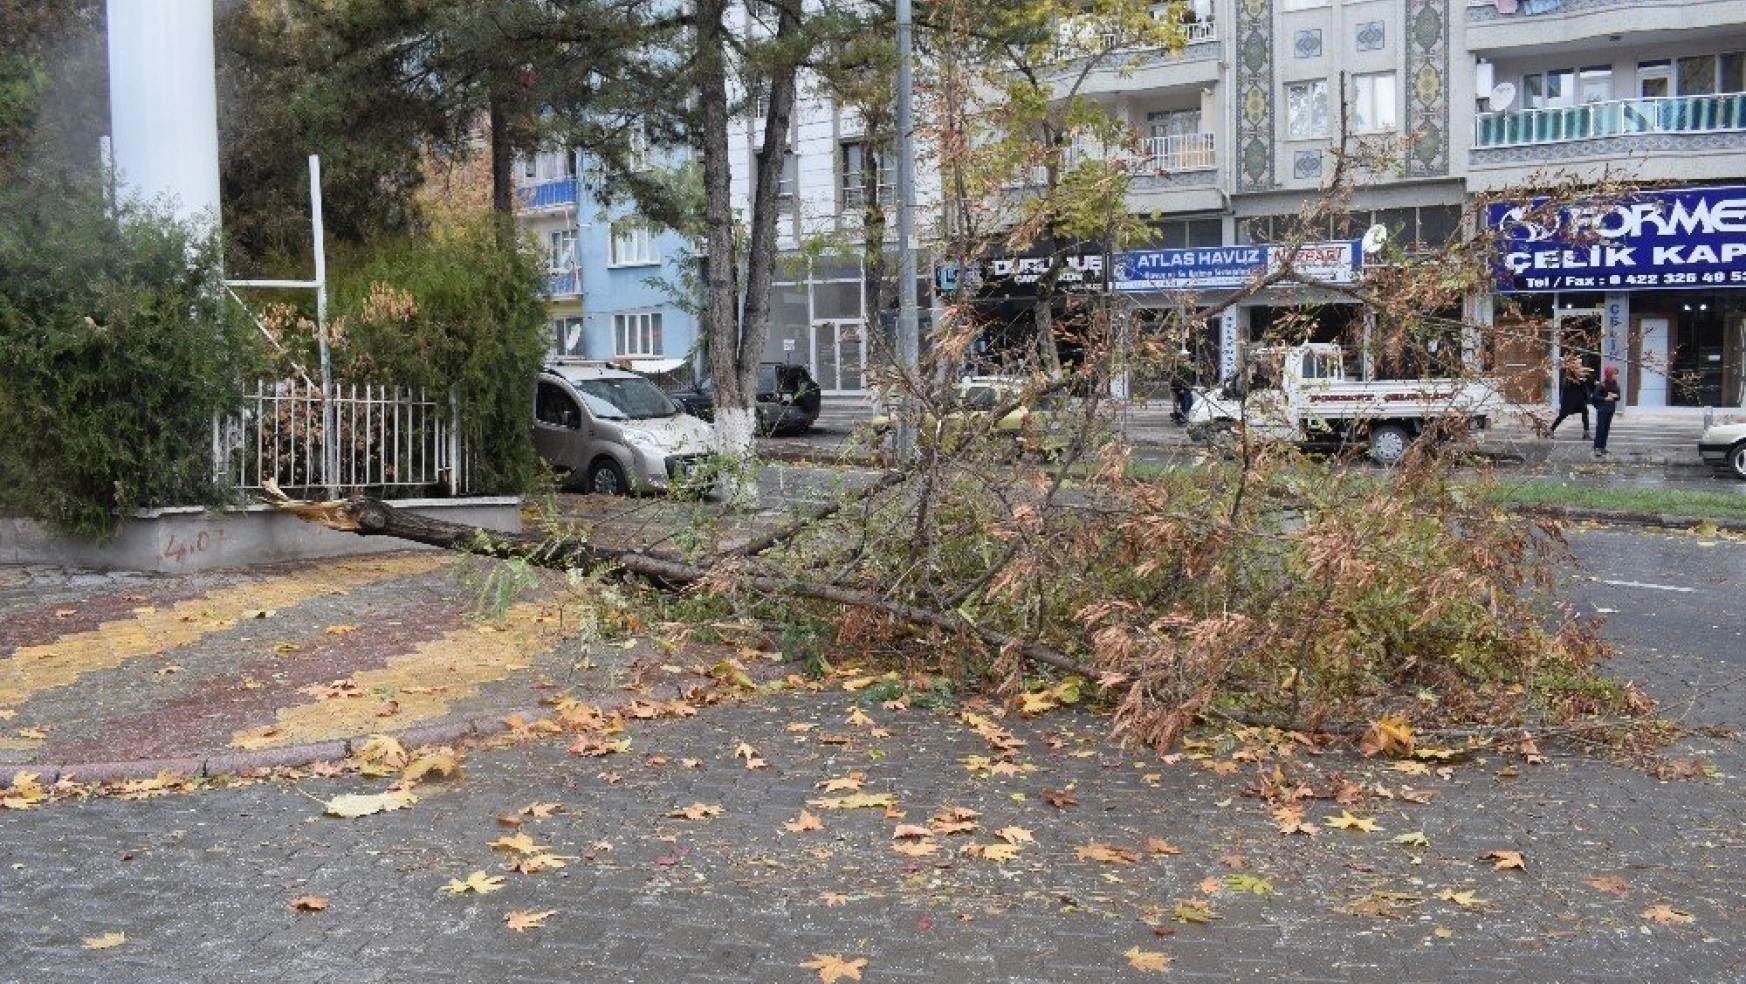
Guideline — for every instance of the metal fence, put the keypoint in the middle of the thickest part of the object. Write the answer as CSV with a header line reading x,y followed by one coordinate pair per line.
x,y
361,439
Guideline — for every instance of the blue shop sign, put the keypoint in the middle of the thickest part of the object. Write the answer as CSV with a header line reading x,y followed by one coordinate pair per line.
x,y
1230,267
1684,239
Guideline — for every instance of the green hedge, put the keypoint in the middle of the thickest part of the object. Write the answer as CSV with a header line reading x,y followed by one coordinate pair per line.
x,y
455,313
116,348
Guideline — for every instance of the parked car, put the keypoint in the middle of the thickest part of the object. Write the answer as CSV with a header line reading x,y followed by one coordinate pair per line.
x,y
1723,446
1034,425
788,399
614,432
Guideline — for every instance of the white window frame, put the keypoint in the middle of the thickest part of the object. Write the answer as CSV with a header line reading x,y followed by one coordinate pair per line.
x,y
1371,92
561,325
632,244
636,334
1302,4
561,251
1314,132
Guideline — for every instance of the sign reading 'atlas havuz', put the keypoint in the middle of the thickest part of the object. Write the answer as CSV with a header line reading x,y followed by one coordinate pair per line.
x,y
1683,239
1227,267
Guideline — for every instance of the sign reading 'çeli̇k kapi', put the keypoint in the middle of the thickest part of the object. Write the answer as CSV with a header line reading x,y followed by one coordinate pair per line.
x,y
1685,238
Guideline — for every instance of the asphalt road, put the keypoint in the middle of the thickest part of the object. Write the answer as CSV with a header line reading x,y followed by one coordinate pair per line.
x,y
1675,606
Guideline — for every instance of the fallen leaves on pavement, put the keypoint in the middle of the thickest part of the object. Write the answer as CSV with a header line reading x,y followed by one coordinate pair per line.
x,y
351,806
478,883
1147,959
309,903
522,920
832,966
106,941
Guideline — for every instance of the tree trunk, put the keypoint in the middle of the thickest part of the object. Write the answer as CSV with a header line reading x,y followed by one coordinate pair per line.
x,y
372,517
736,343
502,159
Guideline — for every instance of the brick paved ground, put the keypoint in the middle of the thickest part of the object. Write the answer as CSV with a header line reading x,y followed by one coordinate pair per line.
x,y
200,883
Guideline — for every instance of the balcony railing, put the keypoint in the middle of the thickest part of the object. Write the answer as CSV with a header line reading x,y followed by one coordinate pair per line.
x,y
563,283
547,194
1070,48
1155,155
855,193
1184,152
1622,117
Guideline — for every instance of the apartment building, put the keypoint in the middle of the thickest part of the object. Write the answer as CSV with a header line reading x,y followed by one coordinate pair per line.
x,y
1236,130
617,286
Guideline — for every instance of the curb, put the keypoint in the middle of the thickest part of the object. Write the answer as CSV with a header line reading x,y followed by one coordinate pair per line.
x,y
284,756
1651,520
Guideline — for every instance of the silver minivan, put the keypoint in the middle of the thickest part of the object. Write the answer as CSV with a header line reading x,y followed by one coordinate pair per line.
x,y
614,432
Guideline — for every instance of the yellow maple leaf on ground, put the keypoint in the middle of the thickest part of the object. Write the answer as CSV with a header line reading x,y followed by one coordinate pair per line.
x,y
1346,821
1466,900
309,903
855,801
1389,734
478,882
522,920
1147,959
1107,854
351,806
844,784
1000,852
696,811
1667,915
805,822
833,966
520,844
106,941
1505,859
1015,835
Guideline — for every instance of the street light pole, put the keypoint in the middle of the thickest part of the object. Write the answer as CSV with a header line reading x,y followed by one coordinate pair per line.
x,y
908,344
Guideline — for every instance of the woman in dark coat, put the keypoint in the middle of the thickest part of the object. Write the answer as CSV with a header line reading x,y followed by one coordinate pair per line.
x,y
1573,396
1606,403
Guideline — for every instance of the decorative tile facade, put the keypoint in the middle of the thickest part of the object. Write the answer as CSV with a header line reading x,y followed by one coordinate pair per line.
x,y
1179,179
1371,36
1309,43
1306,164
1427,84
1488,13
1255,100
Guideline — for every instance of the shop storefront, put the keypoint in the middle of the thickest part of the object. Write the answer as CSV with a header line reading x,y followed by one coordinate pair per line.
x,y
1653,285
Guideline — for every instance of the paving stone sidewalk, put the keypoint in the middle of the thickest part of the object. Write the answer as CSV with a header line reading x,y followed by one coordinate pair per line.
x,y
107,668
200,884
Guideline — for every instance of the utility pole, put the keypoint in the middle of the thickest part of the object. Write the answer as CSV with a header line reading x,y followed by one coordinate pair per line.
x,y
908,344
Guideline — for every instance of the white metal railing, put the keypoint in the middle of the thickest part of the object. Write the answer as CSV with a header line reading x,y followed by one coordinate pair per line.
x,y
1181,152
1618,117
1072,45
855,193
364,439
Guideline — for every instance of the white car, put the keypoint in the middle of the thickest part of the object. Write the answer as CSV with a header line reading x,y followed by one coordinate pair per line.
x,y
1724,446
612,432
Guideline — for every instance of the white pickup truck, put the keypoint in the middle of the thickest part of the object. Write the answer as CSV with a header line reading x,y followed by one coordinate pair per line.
x,y
1302,394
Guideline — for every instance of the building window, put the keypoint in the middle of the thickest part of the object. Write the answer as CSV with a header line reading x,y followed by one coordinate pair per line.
x,y
567,335
633,244
860,167
1306,110
561,251
636,148
1374,102
636,333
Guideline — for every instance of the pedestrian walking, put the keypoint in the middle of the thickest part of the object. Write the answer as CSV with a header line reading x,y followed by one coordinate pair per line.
x,y
1606,402
1573,396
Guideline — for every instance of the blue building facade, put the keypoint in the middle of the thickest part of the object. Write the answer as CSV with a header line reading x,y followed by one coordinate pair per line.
x,y
616,284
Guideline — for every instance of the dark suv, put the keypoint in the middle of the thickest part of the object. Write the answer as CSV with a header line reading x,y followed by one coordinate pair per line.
x,y
788,399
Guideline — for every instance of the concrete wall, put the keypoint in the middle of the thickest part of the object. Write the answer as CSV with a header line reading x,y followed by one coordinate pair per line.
x,y
180,540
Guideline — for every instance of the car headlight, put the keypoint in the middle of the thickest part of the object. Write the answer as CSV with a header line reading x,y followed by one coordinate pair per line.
x,y
644,438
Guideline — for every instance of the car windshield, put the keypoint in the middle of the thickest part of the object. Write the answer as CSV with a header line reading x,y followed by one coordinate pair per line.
x,y
625,399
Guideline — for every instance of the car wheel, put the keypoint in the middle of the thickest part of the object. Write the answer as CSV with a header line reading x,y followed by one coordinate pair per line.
x,y
1388,443
605,477
1737,460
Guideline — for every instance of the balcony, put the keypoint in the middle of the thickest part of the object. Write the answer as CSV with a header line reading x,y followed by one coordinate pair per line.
x,y
563,283
546,194
1154,155
1724,113
1073,48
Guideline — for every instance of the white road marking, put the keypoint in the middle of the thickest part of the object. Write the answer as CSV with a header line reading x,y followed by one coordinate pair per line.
x,y
1652,587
